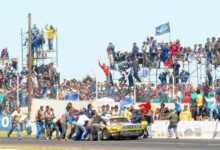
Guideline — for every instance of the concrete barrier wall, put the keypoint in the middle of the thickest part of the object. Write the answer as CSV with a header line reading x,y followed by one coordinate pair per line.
x,y
189,129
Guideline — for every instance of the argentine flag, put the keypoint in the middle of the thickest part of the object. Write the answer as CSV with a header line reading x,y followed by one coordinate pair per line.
x,y
162,29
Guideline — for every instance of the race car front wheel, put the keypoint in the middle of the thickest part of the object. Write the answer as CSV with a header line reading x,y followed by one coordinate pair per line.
x,y
106,135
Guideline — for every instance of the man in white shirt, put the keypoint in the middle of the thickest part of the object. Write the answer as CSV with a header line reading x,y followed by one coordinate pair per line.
x,y
17,118
211,103
116,111
81,125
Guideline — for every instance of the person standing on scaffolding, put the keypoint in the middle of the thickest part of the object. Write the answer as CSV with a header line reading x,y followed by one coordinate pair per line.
x,y
209,72
50,35
176,67
111,52
106,70
136,68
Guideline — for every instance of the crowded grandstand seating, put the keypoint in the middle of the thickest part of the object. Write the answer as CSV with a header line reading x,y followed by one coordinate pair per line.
x,y
153,54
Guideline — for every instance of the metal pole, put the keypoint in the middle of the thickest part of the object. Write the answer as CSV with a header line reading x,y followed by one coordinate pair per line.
x,y
183,64
156,76
173,84
215,73
29,64
96,84
135,97
17,84
22,50
188,71
57,91
201,71
56,48
170,36
197,70
143,65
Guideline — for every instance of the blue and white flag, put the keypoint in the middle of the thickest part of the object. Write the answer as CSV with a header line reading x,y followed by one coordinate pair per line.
x,y
125,101
162,29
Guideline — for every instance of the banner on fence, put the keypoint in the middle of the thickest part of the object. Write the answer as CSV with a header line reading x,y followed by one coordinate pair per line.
x,y
5,123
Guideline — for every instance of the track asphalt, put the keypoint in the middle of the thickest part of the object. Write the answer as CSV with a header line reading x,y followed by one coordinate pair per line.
x,y
147,144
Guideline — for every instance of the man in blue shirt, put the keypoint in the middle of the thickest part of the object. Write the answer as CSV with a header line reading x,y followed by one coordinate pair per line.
x,y
35,44
35,30
165,50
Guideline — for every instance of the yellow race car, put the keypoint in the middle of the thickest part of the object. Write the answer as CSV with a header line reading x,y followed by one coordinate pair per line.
x,y
121,127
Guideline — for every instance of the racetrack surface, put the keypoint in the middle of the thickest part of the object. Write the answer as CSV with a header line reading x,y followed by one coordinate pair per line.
x,y
148,144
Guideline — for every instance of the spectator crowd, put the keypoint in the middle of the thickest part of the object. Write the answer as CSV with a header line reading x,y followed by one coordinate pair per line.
x,y
153,54
202,102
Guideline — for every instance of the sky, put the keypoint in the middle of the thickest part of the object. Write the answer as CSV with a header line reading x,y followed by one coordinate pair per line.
x,y
86,26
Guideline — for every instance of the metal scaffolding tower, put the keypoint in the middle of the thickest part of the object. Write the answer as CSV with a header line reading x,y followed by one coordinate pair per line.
x,y
46,56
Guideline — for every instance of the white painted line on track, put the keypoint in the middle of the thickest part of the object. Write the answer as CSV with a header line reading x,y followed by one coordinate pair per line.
x,y
163,143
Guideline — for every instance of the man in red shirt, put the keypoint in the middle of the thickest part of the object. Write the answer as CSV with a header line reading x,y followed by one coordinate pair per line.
x,y
168,63
174,49
106,70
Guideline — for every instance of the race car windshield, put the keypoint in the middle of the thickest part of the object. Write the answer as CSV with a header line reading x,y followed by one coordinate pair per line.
x,y
117,120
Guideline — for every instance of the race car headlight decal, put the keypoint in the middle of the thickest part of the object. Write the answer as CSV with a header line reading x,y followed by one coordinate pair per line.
x,y
132,126
114,129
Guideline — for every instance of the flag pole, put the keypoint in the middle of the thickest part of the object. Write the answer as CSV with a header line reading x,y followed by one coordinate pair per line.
x,y
170,36
169,32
